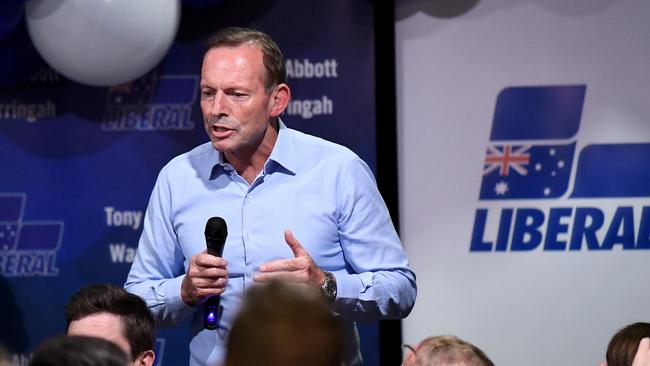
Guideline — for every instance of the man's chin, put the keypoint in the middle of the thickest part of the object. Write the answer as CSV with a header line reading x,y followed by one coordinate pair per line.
x,y
221,146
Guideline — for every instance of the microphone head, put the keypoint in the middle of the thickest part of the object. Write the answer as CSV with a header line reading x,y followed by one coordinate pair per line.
x,y
216,228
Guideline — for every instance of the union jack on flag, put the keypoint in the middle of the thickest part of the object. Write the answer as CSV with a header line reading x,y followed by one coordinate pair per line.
x,y
540,171
504,158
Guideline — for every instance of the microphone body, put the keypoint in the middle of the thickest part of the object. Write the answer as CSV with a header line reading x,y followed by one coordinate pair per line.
x,y
216,233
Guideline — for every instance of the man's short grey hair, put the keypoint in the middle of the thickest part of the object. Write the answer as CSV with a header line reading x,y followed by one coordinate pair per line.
x,y
273,59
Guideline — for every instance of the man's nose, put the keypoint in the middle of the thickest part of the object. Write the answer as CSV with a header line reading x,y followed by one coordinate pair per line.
x,y
219,104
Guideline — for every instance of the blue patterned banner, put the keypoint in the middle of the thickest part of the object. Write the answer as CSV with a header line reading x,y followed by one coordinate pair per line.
x,y
80,161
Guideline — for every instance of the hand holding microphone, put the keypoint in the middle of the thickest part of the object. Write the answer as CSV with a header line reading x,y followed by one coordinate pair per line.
x,y
207,275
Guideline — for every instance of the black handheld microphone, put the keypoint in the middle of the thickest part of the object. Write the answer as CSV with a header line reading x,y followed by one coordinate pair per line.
x,y
215,238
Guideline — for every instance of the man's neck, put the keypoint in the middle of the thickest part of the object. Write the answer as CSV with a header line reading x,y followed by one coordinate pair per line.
x,y
249,164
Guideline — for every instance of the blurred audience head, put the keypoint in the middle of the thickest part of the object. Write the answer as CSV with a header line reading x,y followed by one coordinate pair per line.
x,y
624,344
5,357
285,324
446,351
109,312
78,351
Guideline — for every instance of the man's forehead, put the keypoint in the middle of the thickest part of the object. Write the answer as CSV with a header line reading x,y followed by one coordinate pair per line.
x,y
102,325
233,63
251,52
103,321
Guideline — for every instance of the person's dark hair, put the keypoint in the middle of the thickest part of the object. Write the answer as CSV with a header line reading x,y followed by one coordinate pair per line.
x,y
138,326
276,72
449,350
285,324
78,351
623,345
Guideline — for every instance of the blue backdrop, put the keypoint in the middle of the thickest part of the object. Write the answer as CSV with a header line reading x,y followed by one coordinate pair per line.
x,y
79,162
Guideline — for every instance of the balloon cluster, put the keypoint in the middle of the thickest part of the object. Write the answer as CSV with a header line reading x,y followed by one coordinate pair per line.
x,y
93,42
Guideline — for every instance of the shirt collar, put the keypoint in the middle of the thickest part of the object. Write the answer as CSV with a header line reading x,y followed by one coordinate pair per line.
x,y
282,158
283,155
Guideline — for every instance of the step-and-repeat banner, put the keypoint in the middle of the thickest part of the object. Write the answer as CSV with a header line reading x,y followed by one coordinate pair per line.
x,y
79,161
524,134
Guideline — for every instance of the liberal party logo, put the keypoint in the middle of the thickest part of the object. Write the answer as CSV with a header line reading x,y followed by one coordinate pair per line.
x,y
27,248
151,103
530,157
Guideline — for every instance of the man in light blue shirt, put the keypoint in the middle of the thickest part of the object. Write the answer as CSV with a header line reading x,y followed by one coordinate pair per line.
x,y
298,208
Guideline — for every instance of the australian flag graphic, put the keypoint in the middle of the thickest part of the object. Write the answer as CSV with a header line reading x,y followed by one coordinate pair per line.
x,y
151,88
11,211
532,142
19,235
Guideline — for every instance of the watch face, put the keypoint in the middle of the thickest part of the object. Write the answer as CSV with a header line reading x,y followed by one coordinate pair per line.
x,y
329,286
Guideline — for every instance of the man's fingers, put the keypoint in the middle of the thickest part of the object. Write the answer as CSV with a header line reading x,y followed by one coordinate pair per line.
x,y
299,269
283,265
207,272
202,283
206,276
279,276
197,286
294,244
207,260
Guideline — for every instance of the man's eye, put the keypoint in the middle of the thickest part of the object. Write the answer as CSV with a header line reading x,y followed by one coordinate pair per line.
x,y
207,93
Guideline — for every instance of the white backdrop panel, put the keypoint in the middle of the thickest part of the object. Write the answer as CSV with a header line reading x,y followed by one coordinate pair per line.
x,y
532,307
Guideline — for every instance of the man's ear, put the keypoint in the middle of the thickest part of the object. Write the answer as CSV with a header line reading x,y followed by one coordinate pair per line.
x,y
146,358
280,99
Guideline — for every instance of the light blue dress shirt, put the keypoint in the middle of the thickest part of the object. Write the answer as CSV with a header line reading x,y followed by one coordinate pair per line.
x,y
322,191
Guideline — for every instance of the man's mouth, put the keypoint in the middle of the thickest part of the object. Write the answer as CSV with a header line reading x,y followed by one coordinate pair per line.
x,y
221,132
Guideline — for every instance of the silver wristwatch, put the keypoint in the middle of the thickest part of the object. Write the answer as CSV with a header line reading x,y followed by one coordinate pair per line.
x,y
328,288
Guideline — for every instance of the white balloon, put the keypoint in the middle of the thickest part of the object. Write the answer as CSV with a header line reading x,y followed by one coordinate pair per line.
x,y
102,42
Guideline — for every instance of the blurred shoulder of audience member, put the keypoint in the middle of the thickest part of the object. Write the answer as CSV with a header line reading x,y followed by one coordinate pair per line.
x,y
286,324
78,351
446,350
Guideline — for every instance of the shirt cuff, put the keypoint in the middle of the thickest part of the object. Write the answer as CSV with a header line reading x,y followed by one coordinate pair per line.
x,y
348,286
172,295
